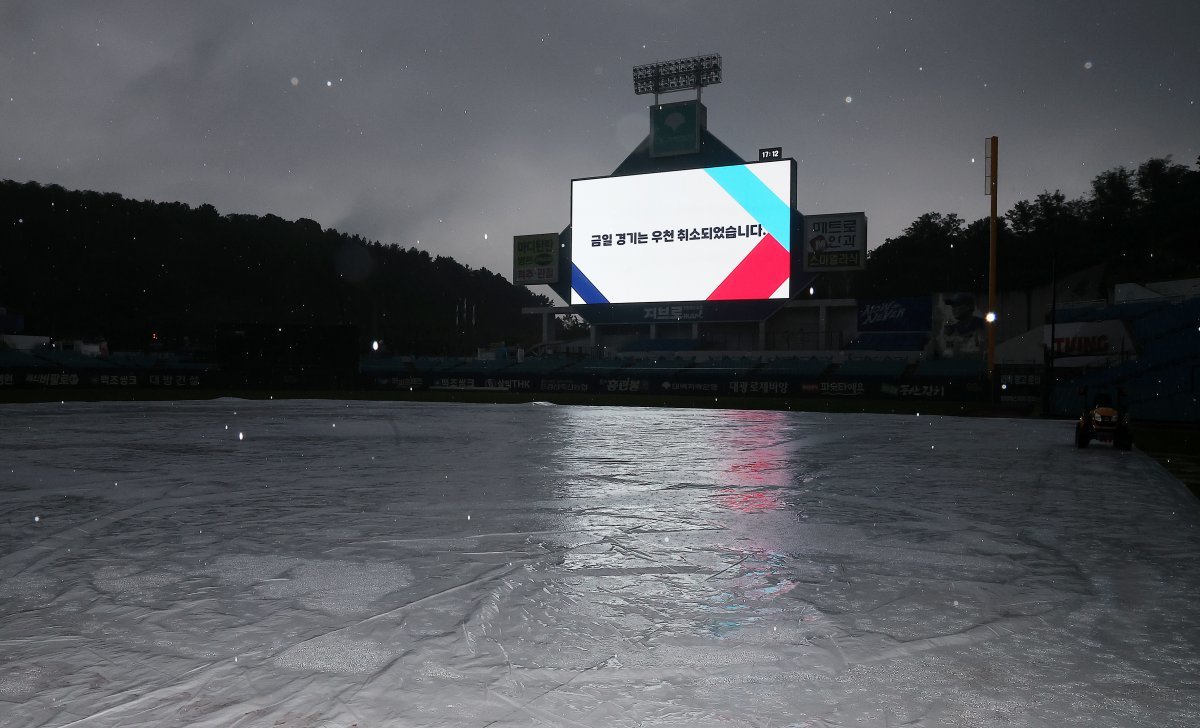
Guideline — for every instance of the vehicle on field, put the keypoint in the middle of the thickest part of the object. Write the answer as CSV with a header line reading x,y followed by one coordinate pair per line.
x,y
1105,420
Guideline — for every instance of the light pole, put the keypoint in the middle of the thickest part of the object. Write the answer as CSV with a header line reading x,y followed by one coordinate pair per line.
x,y
991,155
1053,318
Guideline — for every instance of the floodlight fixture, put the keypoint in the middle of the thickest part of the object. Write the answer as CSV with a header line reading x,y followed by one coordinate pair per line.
x,y
677,75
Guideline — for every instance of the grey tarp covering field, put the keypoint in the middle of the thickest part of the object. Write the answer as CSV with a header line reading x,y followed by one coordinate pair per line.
x,y
322,563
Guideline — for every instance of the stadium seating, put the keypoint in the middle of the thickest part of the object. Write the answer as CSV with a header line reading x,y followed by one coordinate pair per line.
x,y
812,368
12,360
597,367
540,366
871,369
647,345
950,369
889,341
74,361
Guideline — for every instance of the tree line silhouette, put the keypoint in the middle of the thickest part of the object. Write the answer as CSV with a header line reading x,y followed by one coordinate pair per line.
x,y
1143,224
90,264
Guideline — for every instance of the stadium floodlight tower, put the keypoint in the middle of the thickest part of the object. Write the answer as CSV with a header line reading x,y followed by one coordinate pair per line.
x,y
677,129
681,74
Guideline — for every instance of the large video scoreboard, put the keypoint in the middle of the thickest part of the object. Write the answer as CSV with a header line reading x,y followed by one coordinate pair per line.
x,y
712,234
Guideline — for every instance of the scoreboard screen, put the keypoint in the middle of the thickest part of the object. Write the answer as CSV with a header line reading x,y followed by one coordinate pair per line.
x,y
712,234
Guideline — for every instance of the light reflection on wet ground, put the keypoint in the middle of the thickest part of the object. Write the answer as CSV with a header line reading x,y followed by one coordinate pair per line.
x,y
359,563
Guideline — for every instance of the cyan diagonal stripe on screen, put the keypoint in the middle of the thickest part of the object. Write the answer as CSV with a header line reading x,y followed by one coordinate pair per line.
x,y
584,287
757,199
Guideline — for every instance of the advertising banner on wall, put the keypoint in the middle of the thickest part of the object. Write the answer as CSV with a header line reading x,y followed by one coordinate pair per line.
x,y
896,314
959,330
1090,343
835,242
713,234
535,259
681,312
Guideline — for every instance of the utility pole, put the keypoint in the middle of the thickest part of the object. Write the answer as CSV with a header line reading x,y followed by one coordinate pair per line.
x,y
1053,317
992,151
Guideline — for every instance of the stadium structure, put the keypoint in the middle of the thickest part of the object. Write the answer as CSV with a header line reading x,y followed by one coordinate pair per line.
x,y
681,299
697,273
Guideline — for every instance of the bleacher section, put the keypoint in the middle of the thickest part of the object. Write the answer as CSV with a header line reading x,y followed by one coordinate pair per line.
x,y
481,367
877,369
1161,375
13,360
544,366
889,341
661,365
1163,380
73,361
811,369
56,369
594,367
950,369
1124,311
657,345
436,364
1169,320
731,366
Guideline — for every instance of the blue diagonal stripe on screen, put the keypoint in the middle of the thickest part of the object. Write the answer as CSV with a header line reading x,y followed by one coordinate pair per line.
x,y
757,199
584,287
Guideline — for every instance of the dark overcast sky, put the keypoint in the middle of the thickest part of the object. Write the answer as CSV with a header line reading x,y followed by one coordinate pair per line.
x,y
459,124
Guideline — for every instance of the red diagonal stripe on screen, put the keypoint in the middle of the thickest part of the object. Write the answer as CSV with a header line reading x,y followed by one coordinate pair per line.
x,y
760,273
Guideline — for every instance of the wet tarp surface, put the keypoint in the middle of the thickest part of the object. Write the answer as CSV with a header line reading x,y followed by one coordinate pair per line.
x,y
323,563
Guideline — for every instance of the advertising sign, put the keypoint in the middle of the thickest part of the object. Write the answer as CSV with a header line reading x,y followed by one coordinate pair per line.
x,y
1090,343
714,234
835,242
681,312
1021,384
959,329
535,259
896,314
